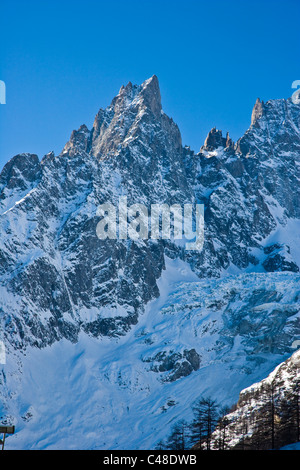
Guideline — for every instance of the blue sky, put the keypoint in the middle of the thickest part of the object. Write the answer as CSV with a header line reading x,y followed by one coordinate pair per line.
x,y
63,60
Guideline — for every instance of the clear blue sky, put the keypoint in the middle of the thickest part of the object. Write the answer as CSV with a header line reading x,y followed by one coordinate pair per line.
x,y
63,60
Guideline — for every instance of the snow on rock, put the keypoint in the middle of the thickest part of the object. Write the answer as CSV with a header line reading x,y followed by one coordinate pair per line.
x,y
108,332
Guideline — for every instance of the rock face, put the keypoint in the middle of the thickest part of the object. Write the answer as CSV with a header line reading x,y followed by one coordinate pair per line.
x,y
180,364
257,112
63,269
58,280
215,139
51,260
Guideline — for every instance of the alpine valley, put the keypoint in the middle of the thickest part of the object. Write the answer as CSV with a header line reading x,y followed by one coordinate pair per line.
x,y
109,342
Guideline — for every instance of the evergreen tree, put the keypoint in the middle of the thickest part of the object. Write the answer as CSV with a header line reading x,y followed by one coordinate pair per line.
x,y
161,445
223,422
178,439
206,414
290,416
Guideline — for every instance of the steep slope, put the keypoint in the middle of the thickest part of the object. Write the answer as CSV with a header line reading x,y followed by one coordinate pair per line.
x,y
267,413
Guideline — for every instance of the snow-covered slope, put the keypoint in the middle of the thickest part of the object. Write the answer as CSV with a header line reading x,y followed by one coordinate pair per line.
x,y
120,334
267,412
200,337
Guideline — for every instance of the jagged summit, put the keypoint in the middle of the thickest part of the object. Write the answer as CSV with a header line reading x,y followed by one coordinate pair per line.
x,y
149,87
257,111
272,124
151,93
123,121
147,95
132,110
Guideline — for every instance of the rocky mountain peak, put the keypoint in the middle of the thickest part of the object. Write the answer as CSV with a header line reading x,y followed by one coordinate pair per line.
x,y
123,121
19,171
78,141
215,140
120,121
257,112
147,95
229,141
151,94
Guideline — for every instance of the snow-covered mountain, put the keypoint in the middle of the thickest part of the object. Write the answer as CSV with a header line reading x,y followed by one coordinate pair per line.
x,y
267,412
124,334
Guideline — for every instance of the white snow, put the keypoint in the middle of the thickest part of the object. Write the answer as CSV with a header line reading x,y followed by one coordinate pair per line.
x,y
102,393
